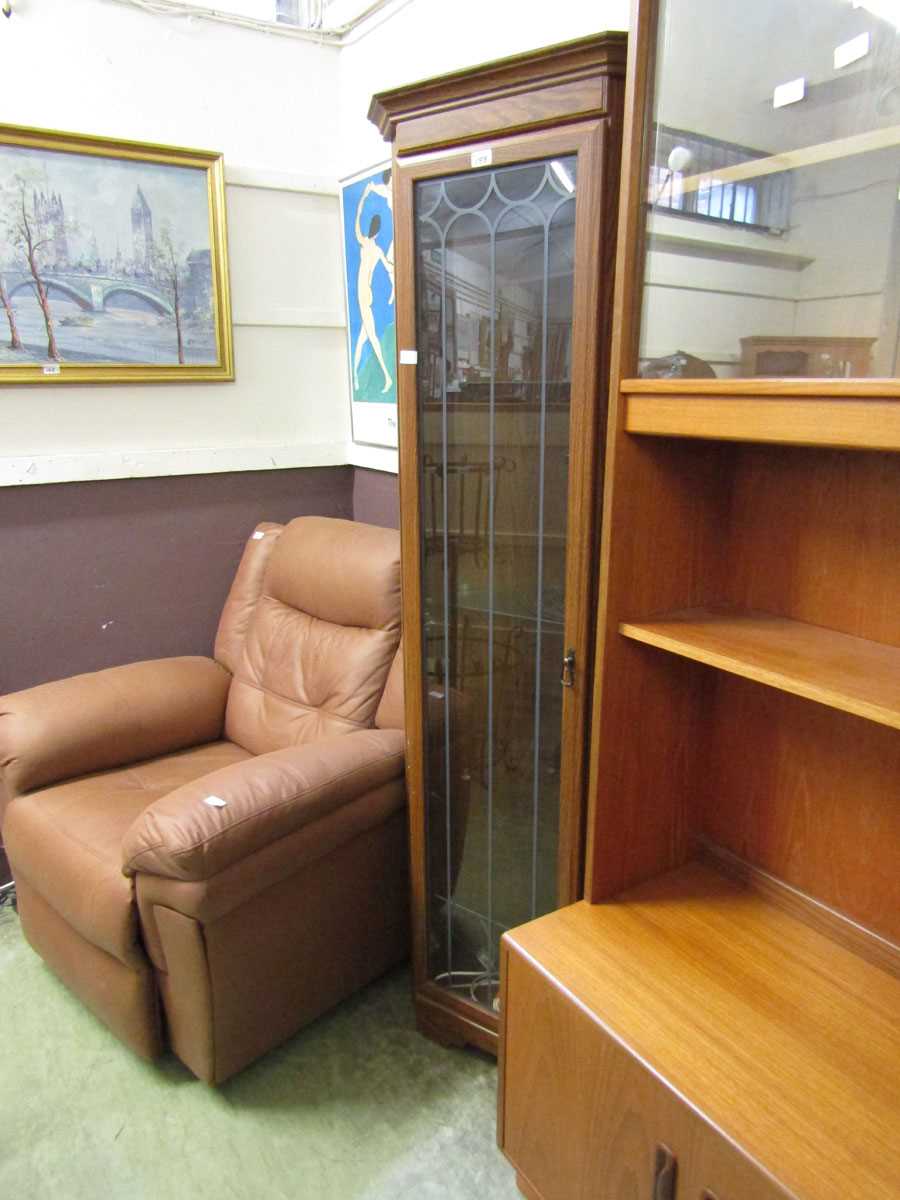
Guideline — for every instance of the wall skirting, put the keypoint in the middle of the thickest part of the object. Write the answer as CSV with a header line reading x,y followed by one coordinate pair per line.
x,y
23,470
144,464
374,458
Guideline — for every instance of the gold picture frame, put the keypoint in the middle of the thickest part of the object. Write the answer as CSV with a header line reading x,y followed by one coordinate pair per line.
x,y
113,261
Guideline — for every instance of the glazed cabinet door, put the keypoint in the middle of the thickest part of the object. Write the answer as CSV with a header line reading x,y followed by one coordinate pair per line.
x,y
499,423
581,1118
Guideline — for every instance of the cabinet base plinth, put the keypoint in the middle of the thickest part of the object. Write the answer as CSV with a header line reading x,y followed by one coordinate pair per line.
x,y
449,1024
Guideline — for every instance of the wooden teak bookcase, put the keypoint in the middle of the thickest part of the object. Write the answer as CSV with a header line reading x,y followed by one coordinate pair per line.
x,y
719,1019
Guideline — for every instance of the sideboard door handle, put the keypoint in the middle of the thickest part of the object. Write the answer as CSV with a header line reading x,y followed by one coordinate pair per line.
x,y
665,1174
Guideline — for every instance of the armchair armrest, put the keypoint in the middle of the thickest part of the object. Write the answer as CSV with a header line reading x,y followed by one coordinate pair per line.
x,y
201,828
109,718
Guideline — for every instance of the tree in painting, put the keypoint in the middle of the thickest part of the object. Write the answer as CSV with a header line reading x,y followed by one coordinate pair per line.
x,y
7,200
15,341
23,238
169,271
31,245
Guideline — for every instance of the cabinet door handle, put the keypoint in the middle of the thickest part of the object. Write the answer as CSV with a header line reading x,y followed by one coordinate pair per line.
x,y
567,676
665,1174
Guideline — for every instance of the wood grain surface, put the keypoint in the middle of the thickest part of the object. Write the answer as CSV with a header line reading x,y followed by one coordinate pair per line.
x,y
806,793
440,111
784,1043
584,1117
811,389
813,421
848,673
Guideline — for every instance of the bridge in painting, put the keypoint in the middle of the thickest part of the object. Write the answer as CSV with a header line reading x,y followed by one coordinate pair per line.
x,y
90,292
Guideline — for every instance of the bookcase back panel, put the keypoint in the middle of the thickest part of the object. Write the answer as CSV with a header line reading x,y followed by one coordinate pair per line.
x,y
815,535
807,794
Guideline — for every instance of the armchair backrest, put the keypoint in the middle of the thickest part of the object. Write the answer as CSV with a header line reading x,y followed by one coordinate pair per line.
x,y
310,630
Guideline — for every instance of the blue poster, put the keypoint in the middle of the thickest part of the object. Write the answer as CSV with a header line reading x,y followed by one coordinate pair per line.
x,y
368,223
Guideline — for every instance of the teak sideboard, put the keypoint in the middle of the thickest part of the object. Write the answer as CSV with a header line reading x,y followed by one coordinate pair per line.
x,y
719,1017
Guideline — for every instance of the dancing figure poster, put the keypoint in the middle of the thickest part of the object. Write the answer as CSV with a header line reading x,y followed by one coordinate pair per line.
x,y
368,229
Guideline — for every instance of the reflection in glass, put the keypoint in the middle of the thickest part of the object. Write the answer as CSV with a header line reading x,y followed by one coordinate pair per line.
x,y
773,214
494,269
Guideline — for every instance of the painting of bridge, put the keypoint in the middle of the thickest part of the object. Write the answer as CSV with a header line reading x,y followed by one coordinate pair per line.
x,y
108,261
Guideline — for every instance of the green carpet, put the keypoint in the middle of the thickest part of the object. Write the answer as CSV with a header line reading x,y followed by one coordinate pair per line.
x,y
358,1106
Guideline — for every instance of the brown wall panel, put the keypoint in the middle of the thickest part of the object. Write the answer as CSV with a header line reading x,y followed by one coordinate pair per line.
x,y
98,573
376,498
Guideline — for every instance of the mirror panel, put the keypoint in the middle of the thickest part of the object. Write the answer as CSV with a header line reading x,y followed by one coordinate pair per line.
x,y
773,191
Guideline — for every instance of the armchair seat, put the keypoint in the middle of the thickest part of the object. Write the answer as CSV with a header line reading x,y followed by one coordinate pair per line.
x,y
210,852
66,841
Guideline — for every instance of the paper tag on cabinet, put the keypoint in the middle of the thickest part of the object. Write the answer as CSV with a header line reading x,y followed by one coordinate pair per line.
x,y
409,358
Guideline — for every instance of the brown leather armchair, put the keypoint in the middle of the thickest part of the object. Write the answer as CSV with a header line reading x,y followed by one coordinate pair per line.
x,y
217,847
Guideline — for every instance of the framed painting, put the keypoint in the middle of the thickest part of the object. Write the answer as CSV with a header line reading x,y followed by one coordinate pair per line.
x,y
367,221
113,261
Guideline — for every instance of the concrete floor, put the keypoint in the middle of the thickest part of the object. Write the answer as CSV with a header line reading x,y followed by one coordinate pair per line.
x,y
356,1107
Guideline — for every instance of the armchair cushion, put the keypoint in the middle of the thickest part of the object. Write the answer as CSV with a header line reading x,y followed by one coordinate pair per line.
x,y
318,646
66,841
109,718
256,802
244,594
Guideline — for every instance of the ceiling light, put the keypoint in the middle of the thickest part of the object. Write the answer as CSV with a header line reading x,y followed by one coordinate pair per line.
x,y
680,158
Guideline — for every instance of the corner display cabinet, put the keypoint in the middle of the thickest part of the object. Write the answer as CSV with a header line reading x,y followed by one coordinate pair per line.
x,y
719,1018
505,186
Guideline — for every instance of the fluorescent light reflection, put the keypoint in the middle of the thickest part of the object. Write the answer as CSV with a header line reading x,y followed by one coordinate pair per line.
x,y
562,175
887,10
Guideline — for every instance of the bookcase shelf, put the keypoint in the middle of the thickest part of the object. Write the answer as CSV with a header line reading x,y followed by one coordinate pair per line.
x,y
852,674
842,422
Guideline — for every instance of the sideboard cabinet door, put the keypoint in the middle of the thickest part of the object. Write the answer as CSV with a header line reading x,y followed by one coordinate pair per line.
x,y
581,1118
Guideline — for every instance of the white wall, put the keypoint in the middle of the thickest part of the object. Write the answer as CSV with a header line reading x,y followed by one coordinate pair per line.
x,y
431,37
270,105
290,118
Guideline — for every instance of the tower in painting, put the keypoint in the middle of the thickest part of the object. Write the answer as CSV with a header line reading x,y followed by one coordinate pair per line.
x,y
50,218
142,232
